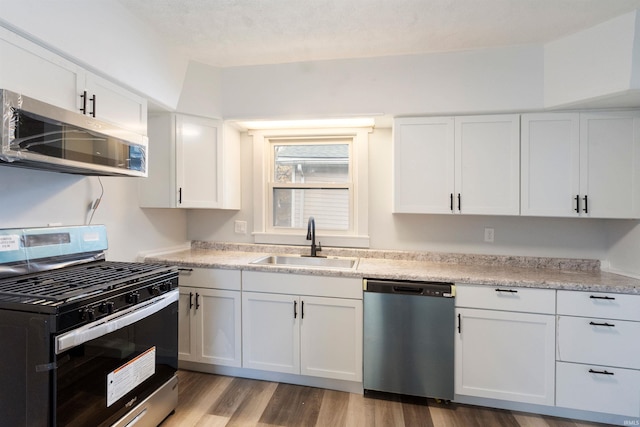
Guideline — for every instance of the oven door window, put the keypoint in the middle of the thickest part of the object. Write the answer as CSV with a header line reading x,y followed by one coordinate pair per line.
x,y
101,380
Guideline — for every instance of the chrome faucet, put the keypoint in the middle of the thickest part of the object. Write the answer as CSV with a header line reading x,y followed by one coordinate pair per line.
x,y
311,235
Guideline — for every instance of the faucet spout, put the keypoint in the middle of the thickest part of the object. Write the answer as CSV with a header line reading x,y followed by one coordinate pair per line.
x,y
311,235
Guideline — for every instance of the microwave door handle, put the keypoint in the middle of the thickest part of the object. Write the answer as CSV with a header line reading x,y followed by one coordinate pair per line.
x,y
114,322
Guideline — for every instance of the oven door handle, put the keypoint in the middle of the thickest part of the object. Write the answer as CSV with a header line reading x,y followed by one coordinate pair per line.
x,y
114,322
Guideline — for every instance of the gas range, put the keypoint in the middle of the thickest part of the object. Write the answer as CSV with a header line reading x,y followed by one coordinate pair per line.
x,y
77,328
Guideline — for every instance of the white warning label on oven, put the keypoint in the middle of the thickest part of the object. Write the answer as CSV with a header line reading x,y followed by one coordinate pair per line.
x,y
130,375
10,242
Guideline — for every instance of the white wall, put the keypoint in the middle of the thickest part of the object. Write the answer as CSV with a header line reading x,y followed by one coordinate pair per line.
x,y
593,63
105,37
201,91
32,198
624,247
504,79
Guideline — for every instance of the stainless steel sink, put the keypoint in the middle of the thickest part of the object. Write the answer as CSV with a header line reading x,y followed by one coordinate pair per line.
x,y
307,261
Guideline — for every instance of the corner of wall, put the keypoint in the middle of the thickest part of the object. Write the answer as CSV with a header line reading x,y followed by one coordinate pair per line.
x,y
201,91
594,63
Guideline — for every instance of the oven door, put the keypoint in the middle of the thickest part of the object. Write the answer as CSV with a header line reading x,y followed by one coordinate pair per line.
x,y
107,367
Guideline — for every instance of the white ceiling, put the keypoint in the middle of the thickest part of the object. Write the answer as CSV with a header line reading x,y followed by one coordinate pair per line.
x,y
227,33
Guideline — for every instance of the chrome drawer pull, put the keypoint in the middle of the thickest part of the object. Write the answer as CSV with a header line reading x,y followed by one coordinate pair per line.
x,y
604,297
611,325
591,371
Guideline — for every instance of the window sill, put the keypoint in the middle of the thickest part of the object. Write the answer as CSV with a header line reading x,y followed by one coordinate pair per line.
x,y
300,240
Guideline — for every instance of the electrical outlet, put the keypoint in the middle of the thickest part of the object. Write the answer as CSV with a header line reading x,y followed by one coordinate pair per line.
x,y
240,227
488,234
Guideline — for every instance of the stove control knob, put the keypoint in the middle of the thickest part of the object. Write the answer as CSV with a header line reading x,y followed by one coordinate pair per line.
x,y
106,307
155,290
133,297
88,314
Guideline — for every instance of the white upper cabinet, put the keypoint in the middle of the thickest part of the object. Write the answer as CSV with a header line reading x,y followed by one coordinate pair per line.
x,y
550,164
194,162
581,164
34,71
488,164
112,103
423,155
468,165
610,165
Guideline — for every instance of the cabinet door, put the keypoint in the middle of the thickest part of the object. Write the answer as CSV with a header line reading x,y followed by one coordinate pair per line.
x,y
488,164
32,70
271,332
114,104
505,355
187,333
610,164
219,320
331,338
198,143
423,153
550,164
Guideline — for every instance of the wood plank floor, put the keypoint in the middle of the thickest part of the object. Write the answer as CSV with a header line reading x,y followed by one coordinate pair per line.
x,y
213,400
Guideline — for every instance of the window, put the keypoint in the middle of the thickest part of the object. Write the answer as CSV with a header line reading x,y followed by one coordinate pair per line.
x,y
303,173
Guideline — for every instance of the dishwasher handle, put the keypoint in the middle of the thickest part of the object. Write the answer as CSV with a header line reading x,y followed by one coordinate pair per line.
x,y
407,290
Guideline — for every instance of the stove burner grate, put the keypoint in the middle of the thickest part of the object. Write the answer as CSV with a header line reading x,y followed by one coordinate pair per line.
x,y
56,287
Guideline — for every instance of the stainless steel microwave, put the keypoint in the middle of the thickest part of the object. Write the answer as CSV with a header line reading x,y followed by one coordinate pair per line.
x,y
38,135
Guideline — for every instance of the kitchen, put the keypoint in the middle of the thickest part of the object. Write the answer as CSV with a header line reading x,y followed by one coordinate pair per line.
x,y
495,80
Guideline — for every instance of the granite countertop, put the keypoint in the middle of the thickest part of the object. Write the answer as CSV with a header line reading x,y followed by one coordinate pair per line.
x,y
533,272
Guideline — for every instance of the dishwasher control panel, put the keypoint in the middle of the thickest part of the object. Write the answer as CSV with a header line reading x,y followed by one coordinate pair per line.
x,y
426,289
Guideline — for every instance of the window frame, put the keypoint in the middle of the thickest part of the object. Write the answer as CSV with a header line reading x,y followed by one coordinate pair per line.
x,y
263,142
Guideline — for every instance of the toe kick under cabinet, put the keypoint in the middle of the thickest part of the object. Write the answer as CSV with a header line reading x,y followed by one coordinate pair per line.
x,y
598,352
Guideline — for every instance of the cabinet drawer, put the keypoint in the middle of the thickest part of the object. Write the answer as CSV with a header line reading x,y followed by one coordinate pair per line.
x,y
210,278
597,304
615,392
510,299
600,341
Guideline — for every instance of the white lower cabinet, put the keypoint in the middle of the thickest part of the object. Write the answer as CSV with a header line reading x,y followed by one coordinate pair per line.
x,y
271,332
598,362
599,389
315,336
331,338
209,328
310,335
505,355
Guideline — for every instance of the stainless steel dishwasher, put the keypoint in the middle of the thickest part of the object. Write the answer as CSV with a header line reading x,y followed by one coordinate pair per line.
x,y
409,330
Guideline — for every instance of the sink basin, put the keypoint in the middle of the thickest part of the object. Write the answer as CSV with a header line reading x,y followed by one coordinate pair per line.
x,y
307,261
